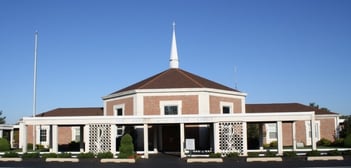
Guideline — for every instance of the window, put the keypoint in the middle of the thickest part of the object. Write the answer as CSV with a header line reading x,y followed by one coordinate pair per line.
x,y
42,135
171,107
226,107
76,134
119,110
171,110
271,132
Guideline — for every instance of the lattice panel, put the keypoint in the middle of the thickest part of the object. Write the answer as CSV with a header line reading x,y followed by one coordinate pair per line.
x,y
231,137
99,138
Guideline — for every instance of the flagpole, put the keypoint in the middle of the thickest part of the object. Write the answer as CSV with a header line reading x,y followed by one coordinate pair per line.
x,y
35,83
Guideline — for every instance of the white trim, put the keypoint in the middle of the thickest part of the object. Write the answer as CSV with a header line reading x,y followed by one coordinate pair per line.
x,y
38,130
317,132
204,105
118,106
177,103
251,117
227,104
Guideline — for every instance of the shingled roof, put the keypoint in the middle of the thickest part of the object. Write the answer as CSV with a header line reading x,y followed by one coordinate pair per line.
x,y
85,111
175,78
283,107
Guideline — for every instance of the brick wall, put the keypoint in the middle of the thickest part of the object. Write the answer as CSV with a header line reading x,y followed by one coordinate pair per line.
x,y
189,104
215,104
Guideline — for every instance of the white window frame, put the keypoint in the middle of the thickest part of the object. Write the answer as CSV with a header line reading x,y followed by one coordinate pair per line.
x,y
227,104
119,106
74,133
271,128
308,131
177,103
37,139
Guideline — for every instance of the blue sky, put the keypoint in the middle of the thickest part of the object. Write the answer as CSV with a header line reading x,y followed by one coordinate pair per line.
x,y
283,51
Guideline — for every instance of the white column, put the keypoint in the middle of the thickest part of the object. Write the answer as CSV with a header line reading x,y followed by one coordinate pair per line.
x,y
23,137
294,135
113,138
54,138
216,137
244,138
146,141
182,137
280,137
313,136
11,137
86,138
1,133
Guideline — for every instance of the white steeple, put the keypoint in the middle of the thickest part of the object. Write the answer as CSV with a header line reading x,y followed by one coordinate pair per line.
x,y
173,60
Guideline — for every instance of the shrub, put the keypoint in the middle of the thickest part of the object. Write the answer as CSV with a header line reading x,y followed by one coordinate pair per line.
x,y
104,155
252,154
270,154
10,155
273,144
338,142
266,146
49,155
348,153
4,145
126,149
313,153
289,154
31,155
64,155
215,155
347,141
334,153
324,142
232,155
86,155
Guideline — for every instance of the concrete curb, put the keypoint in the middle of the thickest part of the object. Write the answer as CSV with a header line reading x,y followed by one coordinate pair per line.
x,y
10,159
204,160
264,159
117,161
313,158
61,160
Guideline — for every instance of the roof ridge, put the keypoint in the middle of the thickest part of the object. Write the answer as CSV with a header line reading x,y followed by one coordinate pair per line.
x,y
153,79
186,75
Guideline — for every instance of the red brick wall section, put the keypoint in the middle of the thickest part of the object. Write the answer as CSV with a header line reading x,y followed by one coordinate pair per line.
x,y
128,106
64,135
215,104
327,128
189,104
300,132
287,134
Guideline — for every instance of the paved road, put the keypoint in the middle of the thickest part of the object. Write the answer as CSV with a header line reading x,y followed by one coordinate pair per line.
x,y
167,161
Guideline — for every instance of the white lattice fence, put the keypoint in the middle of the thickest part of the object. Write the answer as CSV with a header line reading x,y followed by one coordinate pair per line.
x,y
100,138
231,137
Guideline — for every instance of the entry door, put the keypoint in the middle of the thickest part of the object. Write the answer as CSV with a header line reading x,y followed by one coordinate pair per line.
x,y
171,138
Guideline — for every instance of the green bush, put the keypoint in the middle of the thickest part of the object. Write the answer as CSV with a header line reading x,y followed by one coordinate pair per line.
x,y
126,149
37,147
10,155
334,153
215,155
313,153
232,155
49,155
31,155
64,155
289,154
324,142
347,141
104,155
253,154
86,155
273,144
270,154
347,153
4,145
338,142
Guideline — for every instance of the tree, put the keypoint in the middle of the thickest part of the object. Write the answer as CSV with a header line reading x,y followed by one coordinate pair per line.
x,y
346,130
316,106
2,119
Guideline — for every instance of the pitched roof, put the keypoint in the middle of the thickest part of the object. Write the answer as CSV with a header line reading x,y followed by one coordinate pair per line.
x,y
175,78
283,107
86,111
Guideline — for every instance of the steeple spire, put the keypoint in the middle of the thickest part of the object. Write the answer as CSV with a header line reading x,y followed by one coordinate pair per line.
x,y
173,60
